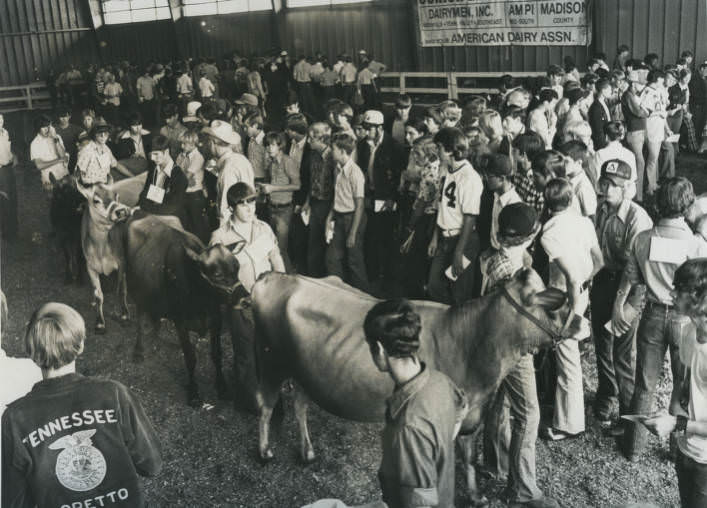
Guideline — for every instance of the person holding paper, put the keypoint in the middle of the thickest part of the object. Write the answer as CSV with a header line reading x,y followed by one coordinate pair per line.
x,y
382,160
455,242
619,221
654,259
690,297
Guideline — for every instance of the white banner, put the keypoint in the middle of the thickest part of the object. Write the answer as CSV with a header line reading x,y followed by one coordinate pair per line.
x,y
504,23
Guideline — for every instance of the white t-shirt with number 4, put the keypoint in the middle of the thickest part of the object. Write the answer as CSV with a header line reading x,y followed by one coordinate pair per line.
x,y
461,195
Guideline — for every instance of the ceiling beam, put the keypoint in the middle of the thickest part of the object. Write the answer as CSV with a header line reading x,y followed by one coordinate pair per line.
x,y
96,13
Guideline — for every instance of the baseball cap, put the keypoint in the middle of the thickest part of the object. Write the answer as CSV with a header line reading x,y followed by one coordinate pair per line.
x,y
373,117
616,170
517,223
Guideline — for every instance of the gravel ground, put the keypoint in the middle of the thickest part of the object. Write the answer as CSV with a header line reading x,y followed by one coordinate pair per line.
x,y
210,453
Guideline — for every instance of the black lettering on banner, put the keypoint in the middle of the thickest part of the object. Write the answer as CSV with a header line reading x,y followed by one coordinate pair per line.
x,y
450,195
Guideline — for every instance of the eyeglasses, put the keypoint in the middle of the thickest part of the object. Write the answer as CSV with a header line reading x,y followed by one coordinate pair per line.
x,y
247,201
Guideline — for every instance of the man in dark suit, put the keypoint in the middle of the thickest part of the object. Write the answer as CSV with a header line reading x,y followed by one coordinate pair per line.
x,y
166,185
382,160
599,115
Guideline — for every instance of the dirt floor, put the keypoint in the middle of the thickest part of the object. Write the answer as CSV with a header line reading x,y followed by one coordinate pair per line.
x,y
210,453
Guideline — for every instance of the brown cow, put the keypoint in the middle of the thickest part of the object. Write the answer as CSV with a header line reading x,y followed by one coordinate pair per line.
x,y
312,330
104,257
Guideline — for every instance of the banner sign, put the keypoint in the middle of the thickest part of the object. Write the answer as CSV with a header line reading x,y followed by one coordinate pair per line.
x,y
504,22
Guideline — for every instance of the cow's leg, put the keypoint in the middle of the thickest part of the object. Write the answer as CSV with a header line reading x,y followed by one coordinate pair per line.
x,y
266,397
301,405
98,300
215,323
139,352
123,296
190,360
467,448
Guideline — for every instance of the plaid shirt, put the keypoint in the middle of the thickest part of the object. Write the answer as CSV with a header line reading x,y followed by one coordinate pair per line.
x,y
500,266
525,187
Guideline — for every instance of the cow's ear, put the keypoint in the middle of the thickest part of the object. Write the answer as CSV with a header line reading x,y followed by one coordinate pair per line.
x,y
550,299
86,192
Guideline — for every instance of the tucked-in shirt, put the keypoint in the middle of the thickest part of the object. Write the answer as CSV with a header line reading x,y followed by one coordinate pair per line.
x,y
5,148
283,171
350,184
94,163
206,87
693,446
461,195
192,163
417,468
74,439
569,236
617,232
112,92
657,254
146,87
329,78
348,73
254,258
301,72
365,77
525,187
321,175
232,168
499,202
185,84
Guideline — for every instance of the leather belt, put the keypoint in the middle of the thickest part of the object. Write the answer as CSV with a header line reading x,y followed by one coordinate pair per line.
x,y
450,233
657,305
280,205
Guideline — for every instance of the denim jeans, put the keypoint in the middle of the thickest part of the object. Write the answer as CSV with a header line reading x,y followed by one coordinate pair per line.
x,y
652,340
342,261
514,452
692,482
616,356
441,288
635,141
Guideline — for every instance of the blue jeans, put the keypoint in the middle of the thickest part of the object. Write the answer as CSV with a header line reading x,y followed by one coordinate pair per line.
x,y
652,340
692,482
514,452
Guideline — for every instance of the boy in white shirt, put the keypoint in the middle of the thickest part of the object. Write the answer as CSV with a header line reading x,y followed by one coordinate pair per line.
x,y
585,195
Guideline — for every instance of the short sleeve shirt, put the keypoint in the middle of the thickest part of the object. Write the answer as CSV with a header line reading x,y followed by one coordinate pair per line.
x,y
283,171
44,149
585,197
349,185
192,164
233,168
94,163
617,232
461,195
254,258
5,148
571,237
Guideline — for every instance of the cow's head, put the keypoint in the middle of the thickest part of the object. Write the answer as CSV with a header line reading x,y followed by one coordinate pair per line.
x,y
545,309
219,267
104,203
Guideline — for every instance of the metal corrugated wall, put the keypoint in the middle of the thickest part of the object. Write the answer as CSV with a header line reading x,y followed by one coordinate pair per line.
x,y
36,35
665,27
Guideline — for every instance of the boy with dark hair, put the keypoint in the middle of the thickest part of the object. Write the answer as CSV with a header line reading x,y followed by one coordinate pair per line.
x,y
69,135
166,186
426,407
526,148
73,439
173,128
395,125
585,196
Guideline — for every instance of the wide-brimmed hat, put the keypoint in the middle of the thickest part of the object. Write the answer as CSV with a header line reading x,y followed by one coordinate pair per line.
x,y
517,223
247,98
192,108
222,131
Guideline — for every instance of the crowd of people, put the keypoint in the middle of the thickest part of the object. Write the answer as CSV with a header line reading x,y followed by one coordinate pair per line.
x,y
572,175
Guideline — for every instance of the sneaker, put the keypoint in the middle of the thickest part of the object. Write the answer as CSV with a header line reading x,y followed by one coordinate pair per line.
x,y
541,502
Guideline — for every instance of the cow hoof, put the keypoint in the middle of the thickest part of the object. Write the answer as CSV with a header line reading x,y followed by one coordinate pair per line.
x,y
266,456
309,457
100,328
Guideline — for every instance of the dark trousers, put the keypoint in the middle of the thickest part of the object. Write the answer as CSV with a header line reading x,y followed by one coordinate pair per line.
x,y
380,244
342,261
306,98
416,263
316,243
441,288
8,206
348,92
615,354
196,219
297,248
692,482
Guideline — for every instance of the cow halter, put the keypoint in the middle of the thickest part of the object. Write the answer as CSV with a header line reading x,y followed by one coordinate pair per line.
x,y
557,335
